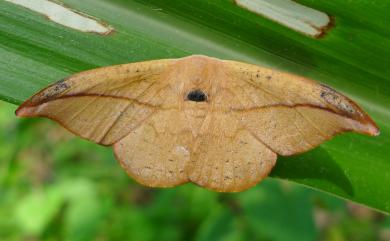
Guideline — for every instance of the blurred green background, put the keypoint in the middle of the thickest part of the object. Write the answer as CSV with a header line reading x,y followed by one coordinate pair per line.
x,y
54,186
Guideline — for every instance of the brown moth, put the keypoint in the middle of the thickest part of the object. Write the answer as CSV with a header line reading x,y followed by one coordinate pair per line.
x,y
217,123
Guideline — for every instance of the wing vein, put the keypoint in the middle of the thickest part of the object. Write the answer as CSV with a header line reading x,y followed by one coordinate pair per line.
x,y
301,133
127,107
265,91
312,124
115,121
80,111
245,127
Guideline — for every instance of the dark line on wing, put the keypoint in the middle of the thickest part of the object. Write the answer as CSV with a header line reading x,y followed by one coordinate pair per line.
x,y
125,110
95,95
284,105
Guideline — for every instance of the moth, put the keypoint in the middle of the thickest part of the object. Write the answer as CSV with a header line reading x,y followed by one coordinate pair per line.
x,y
217,123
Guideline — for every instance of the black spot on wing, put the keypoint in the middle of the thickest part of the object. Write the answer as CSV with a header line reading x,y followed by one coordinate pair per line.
x,y
197,95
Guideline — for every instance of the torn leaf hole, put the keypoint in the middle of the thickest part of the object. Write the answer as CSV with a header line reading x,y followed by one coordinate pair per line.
x,y
66,16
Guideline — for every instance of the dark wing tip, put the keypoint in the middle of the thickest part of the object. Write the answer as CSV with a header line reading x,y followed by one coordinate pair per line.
x,y
343,105
42,96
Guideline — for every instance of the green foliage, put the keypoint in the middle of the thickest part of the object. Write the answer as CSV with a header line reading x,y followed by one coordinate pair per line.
x,y
353,57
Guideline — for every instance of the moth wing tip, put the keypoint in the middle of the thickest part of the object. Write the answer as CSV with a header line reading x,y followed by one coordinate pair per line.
x,y
25,111
368,127
19,111
374,130
372,127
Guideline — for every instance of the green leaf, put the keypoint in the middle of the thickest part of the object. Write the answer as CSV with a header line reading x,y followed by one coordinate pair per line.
x,y
220,225
35,211
276,206
353,57
84,212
